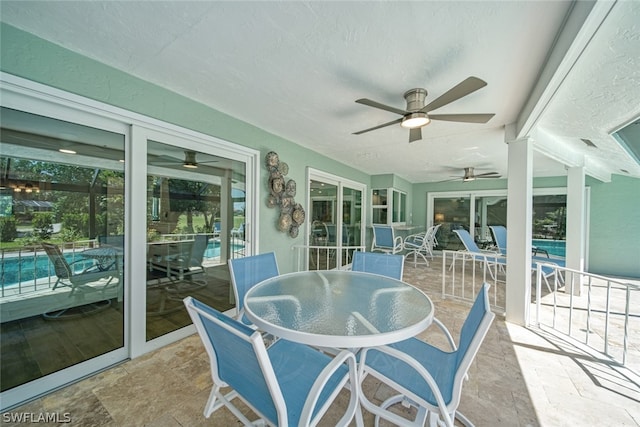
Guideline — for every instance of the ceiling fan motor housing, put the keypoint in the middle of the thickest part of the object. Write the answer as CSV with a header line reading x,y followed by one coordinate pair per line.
x,y
415,99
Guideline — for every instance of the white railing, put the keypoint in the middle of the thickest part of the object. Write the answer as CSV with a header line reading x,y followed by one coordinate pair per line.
x,y
463,274
18,267
605,316
320,257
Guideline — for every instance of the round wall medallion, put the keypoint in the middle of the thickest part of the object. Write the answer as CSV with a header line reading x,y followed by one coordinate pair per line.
x,y
277,186
284,222
298,214
290,188
283,168
293,231
272,159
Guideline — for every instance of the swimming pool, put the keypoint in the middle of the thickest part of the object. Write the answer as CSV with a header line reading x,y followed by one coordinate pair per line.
x,y
553,247
29,267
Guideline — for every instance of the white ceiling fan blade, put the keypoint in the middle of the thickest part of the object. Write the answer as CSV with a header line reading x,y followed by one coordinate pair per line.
x,y
466,118
375,104
393,122
462,89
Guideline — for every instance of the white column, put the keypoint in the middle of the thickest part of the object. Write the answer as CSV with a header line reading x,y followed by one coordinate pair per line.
x,y
575,225
519,221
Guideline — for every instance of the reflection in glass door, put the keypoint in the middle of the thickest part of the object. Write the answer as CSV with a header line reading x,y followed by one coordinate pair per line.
x,y
195,224
62,290
335,221
452,213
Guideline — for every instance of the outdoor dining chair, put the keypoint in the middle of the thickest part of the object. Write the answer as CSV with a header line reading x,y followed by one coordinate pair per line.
x,y
248,271
288,384
385,240
421,245
377,263
426,376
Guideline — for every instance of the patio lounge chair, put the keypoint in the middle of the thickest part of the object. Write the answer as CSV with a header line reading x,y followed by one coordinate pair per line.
x,y
384,264
426,376
489,260
288,384
499,233
385,240
88,280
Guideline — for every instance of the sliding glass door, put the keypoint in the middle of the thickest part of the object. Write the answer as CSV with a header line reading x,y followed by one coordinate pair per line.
x,y
335,220
63,290
195,223
476,211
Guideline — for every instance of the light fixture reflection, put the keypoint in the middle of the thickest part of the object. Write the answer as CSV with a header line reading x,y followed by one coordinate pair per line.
x,y
66,151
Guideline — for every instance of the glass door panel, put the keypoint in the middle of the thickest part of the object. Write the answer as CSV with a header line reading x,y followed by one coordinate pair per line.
x,y
453,213
351,222
195,224
62,290
323,220
489,210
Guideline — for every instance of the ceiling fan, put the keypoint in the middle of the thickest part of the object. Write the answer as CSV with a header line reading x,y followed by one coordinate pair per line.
x,y
416,115
469,175
188,162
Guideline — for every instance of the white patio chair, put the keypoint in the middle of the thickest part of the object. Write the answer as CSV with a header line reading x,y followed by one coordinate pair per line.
x,y
385,240
421,245
425,376
288,384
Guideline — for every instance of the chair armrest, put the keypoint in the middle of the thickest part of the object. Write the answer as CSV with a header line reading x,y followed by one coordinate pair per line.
x,y
418,368
321,381
446,332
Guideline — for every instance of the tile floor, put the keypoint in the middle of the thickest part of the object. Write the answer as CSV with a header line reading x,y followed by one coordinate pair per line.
x,y
520,377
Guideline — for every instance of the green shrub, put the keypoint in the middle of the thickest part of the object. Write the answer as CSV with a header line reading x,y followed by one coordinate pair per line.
x,y
77,222
8,230
42,225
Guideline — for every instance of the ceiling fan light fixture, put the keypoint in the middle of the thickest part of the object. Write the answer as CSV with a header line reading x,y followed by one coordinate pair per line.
x,y
190,160
468,178
415,120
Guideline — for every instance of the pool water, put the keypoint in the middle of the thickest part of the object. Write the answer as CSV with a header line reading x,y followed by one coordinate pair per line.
x,y
28,267
553,247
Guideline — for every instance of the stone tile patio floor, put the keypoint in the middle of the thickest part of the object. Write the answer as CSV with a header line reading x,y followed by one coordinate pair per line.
x,y
520,377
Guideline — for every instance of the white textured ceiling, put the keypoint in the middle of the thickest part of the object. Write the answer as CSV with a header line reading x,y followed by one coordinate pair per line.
x,y
296,68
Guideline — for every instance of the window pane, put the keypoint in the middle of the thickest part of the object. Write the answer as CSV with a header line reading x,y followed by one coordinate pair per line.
x,y
62,242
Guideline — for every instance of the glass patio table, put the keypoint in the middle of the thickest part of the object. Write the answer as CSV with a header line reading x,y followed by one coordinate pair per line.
x,y
338,308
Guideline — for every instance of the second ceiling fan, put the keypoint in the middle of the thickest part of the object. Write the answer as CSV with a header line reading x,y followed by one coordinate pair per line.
x,y
416,115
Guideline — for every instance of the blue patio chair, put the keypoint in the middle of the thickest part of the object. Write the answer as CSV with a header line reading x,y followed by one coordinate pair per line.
x,y
488,259
499,233
385,240
426,376
247,272
384,264
288,384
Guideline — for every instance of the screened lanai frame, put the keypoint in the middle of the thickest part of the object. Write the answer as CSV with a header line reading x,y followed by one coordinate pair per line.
x,y
24,95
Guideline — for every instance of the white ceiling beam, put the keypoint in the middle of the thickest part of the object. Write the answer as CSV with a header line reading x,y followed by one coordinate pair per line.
x,y
581,24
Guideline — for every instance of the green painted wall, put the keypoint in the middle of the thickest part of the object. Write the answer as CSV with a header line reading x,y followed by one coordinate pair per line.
x,y
614,227
30,57
614,246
